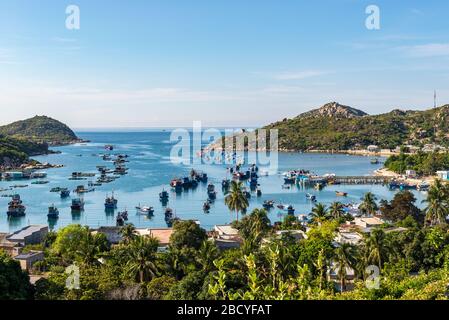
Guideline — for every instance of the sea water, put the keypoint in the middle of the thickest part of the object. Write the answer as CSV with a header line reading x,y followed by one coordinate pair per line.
x,y
151,170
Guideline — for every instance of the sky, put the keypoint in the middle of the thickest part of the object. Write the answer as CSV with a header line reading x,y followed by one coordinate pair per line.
x,y
166,63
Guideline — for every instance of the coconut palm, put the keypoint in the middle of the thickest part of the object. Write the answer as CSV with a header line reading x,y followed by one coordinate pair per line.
x,y
376,246
128,233
344,258
236,199
141,257
336,210
437,203
319,213
369,205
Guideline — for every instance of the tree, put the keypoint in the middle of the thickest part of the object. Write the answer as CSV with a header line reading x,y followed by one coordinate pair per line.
x,y
336,210
369,205
14,283
187,234
207,253
236,199
158,288
437,203
319,213
142,257
401,207
345,258
128,233
376,246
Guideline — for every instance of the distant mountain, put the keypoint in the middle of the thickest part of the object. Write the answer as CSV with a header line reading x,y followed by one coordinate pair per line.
x,y
338,127
40,129
22,139
335,110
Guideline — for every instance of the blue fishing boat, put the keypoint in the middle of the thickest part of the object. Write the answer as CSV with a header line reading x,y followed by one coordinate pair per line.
x,y
163,196
77,205
53,212
15,207
212,195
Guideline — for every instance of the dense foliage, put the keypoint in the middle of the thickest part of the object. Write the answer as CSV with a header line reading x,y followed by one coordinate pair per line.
x,y
422,163
40,129
330,128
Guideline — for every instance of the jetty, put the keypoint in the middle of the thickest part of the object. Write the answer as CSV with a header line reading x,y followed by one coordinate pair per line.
x,y
360,180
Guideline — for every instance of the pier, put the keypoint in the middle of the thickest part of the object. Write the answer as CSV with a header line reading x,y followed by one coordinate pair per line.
x,y
360,180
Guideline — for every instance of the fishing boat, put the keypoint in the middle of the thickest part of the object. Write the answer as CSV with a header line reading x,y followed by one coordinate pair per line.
x,y
225,183
176,184
423,186
40,182
145,210
64,193
120,221
168,215
268,204
290,180
77,205
318,186
259,192
290,210
206,206
109,147
247,194
212,195
341,193
374,161
311,197
15,207
124,215
110,202
163,196
53,212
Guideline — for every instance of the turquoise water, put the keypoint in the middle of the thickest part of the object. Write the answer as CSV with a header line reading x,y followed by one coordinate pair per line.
x,y
150,170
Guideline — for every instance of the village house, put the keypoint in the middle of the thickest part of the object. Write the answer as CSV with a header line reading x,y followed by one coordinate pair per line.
x,y
373,148
161,234
33,234
27,260
226,237
11,248
443,175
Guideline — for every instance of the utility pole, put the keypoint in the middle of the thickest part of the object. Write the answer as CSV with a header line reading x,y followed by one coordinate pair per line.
x,y
434,99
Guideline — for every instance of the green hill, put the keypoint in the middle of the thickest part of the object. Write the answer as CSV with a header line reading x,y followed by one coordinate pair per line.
x,y
22,139
40,129
338,127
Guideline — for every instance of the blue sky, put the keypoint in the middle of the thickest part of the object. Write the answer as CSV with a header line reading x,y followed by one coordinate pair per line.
x,y
152,63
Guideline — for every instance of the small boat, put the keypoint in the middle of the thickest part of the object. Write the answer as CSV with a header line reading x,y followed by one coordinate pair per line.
x,y
53,212
319,186
163,196
225,183
212,195
268,204
423,186
110,202
374,161
40,182
290,210
77,205
341,193
206,206
145,210
259,192
109,147
120,222
311,197
124,215
247,194
65,193
15,207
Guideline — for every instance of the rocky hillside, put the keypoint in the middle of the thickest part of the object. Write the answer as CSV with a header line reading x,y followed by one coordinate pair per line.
x,y
339,127
40,129
22,139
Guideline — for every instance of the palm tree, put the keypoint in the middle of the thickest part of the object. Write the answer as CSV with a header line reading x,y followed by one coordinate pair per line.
x,y
207,253
236,199
437,203
319,213
142,256
369,205
128,233
345,258
376,246
336,210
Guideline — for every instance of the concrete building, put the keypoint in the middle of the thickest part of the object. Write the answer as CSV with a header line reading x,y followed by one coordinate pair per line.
x,y
33,234
226,237
27,260
443,175
11,248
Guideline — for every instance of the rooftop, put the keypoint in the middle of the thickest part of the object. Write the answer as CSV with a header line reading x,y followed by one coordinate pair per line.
x,y
161,234
25,256
25,232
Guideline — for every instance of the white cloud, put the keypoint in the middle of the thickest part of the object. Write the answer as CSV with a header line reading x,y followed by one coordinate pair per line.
x,y
299,75
427,50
